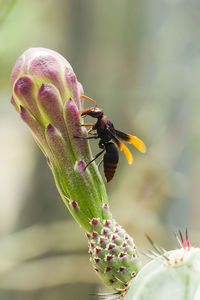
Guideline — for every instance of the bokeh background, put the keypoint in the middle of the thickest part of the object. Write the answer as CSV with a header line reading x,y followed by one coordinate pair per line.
x,y
140,60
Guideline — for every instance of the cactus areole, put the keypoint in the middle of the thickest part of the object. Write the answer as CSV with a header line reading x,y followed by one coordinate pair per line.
x,y
47,96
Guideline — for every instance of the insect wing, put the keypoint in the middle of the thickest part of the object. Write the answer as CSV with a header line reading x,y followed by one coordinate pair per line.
x,y
135,141
122,147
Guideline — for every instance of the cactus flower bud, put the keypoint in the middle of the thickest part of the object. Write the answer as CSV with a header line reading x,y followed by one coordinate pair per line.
x,y
47,96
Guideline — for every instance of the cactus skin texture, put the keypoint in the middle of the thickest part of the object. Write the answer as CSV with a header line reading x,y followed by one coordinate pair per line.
x,y
174,275
47,96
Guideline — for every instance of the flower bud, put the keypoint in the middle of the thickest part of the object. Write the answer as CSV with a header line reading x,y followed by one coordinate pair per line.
x,y
47,95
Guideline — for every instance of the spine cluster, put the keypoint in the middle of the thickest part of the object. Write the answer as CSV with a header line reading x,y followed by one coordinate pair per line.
x,y
112,252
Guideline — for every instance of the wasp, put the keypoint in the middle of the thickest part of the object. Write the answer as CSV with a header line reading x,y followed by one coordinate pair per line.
x,y
109,138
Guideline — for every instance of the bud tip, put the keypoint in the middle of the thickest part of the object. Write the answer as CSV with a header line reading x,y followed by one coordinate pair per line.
x,y
50,128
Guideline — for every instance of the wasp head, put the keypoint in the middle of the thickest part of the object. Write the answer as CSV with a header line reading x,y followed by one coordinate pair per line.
x,y
94,112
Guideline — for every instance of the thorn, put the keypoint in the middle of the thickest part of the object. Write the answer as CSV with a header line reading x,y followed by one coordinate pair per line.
x,y
162,249
182,240
121,290
124,283
106,295
177,238
153,253
158,249
187,239
147,255
153,244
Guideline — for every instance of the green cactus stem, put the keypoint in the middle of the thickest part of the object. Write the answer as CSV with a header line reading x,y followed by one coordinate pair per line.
x,y
47,96
172,275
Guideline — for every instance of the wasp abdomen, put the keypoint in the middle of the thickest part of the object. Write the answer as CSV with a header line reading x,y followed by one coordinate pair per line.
x,y
110,160
109,171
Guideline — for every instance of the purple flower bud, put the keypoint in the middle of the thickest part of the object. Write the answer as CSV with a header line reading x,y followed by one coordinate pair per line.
x,y
111,248
80,166
116,239
92,244
97,260
71,82
109,258
50,103
105,231
72,121
107,223
103,242
94,222
105,206
35,127
74,204
88,235
94,234
24,89
123,270
123,257
98,251
108,269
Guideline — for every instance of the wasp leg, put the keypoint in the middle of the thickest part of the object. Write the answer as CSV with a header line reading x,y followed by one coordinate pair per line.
x,y
94,134
91,129
88,124
96,156
100,162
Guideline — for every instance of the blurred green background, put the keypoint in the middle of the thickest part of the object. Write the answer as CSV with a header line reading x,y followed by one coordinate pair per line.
x,y
140,60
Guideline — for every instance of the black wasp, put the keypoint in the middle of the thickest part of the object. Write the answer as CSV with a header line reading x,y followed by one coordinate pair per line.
x,y
107,134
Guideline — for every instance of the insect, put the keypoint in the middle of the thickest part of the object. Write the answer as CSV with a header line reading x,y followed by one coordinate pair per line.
x,y
109,138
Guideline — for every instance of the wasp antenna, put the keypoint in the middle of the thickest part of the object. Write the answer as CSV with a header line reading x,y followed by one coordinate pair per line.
x,y
84,112
86,97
